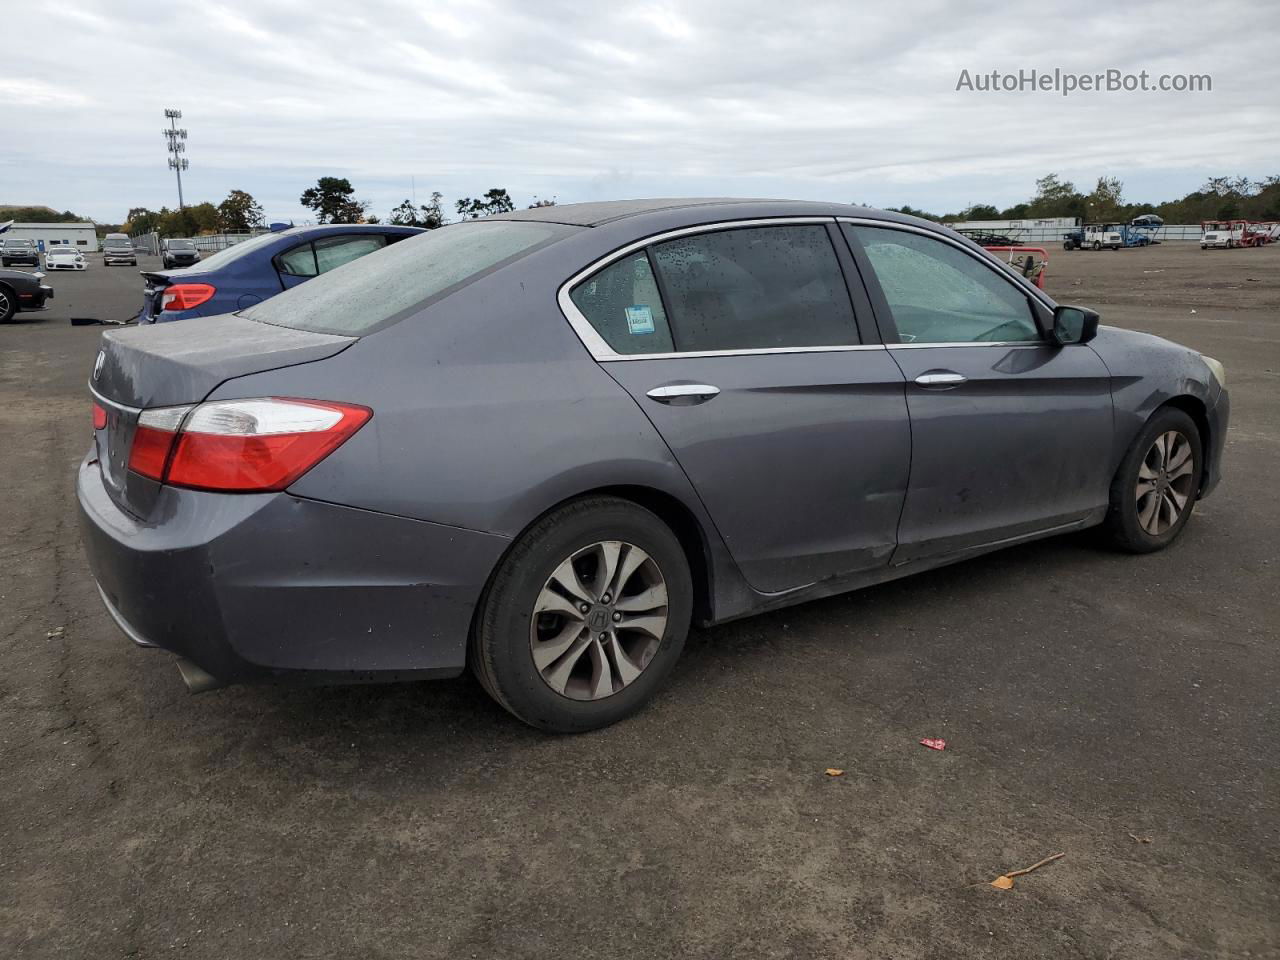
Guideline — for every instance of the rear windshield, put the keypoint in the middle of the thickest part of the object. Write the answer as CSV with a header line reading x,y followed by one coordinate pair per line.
x,y
236,251
381,288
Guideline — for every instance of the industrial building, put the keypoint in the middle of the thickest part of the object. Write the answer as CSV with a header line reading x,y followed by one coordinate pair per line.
x,y
82,236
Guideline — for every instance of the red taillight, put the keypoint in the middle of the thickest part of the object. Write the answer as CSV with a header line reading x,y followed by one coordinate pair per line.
x,y
99,417
241,445
153,438
184,296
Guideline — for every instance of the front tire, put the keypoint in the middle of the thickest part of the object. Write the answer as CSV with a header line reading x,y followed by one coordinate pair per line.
x,y
585,616
8,304
1155,489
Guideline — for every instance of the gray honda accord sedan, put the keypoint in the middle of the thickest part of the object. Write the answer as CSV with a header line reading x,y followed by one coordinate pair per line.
x,y
542,444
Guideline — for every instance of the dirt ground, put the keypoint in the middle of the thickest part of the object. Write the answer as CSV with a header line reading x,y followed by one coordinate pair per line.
x,y
1087,699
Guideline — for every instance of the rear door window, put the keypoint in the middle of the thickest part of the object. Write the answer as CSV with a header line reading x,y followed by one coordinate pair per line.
x,y
755,288
335,251
298,262
748,288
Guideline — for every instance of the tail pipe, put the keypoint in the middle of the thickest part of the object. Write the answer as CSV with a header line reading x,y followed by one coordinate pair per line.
x,y
196,679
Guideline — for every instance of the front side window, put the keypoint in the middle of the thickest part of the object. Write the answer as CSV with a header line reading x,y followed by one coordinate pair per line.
x,y
755,288
622,303
939,294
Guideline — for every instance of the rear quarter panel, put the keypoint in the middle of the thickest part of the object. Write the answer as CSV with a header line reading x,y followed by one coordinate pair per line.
x,y
488,412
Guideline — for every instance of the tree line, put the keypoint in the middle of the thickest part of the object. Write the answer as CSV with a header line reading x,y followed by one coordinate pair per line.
x,y
331,200
1220,198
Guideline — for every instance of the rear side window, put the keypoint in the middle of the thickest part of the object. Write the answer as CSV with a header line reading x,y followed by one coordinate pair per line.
x,y
366,294
623,304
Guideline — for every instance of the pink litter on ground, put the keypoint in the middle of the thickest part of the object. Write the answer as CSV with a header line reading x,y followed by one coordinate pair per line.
x,y
934,743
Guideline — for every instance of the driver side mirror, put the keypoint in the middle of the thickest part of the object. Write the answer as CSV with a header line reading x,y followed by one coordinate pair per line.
x,y
1074,325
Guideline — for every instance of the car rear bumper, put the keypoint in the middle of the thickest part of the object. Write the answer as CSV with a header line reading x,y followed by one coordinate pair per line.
x,y
275,587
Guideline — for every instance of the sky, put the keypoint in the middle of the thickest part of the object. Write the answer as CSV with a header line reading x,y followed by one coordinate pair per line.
x,y
843,101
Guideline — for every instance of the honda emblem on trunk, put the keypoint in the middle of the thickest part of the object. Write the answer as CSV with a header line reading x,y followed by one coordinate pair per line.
x,y
97,364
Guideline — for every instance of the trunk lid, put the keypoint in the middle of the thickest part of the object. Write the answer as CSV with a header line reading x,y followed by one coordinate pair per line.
x,y
181,363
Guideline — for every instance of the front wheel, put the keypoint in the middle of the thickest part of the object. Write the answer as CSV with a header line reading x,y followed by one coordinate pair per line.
x,y
1155,489
585,616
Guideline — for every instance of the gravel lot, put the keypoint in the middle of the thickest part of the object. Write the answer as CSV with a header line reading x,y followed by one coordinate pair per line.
x,y
1087,698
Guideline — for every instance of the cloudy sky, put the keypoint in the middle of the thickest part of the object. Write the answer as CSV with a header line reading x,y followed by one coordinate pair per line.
x,y
580,101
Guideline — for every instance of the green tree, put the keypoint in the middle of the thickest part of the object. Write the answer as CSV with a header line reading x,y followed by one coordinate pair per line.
x,y
240,213
541,203
333,201
1056,198
495,201
911,211
981,211
1106,203
429,215
141,220
205,217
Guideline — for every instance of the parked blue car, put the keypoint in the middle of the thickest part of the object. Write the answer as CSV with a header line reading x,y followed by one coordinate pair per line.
x,y
258,269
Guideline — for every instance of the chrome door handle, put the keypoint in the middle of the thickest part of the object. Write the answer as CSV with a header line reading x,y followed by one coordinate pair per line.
x,y
941,379
683,394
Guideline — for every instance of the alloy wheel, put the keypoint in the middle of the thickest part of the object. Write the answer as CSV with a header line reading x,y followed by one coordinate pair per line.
x,y
1166,478
5,305
598,620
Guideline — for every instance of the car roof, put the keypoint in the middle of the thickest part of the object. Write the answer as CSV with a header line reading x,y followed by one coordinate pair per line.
x,y
695,210
323,228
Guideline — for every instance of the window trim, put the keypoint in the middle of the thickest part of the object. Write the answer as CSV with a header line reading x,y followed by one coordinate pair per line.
x,y
1034,294
600,349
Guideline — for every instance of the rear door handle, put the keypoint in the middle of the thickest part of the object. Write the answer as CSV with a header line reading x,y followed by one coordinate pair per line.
x,y
941,378
683,394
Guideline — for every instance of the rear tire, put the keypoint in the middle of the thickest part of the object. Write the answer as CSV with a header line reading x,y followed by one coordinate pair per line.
x,y
1155,488
536,646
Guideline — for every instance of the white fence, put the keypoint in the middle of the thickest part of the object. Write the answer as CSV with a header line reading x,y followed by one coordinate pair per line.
x,y
1052,236
149,243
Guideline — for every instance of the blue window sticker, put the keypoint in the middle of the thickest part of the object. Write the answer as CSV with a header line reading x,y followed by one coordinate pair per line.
x,y
640,319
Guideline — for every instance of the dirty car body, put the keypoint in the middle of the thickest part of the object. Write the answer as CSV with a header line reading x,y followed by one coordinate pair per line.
x,y
844,433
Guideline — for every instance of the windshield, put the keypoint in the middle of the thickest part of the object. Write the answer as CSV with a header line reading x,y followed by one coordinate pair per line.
x,y
117,243
181,245
18,243
373,291
236,251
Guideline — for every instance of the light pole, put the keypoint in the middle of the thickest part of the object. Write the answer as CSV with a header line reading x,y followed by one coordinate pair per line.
x,y
176,136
